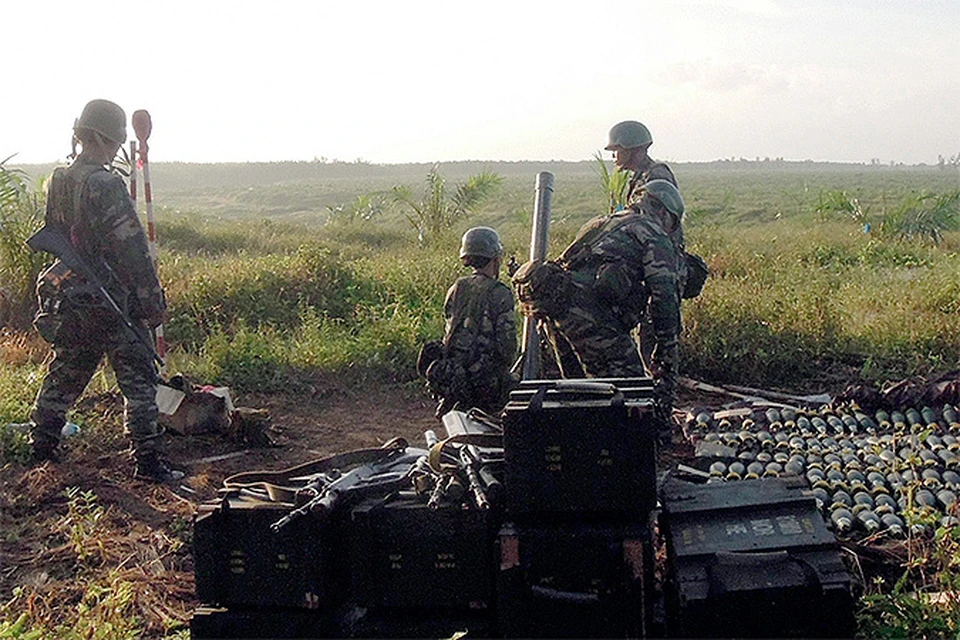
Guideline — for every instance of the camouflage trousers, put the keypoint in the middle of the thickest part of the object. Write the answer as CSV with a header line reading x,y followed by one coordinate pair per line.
x,y
74,363
597,336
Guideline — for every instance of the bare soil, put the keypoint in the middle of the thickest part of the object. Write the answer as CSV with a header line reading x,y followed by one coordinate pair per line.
x,y
143,532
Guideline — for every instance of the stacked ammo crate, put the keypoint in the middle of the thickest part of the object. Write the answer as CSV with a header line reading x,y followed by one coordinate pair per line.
x,y
575,550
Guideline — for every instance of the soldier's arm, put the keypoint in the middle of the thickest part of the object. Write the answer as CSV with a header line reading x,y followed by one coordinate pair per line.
x,y
660,275
124,242
505,324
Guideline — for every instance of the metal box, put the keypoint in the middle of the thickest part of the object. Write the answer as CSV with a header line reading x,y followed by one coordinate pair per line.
x,y
752,559
403,553
239,560
580,446
573,580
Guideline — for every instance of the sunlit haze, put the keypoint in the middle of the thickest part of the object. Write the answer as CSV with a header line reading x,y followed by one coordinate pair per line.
x,y
394,82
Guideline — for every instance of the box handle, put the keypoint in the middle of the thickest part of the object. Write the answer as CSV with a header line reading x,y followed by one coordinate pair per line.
x,y
569,597
724,572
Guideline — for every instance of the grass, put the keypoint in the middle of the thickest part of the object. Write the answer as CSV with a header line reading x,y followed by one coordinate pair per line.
x,y
264,293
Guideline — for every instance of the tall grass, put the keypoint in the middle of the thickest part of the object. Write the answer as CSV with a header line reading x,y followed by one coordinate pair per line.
x,y
21,214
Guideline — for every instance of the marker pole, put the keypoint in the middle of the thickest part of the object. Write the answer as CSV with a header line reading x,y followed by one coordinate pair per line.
x,y
142,126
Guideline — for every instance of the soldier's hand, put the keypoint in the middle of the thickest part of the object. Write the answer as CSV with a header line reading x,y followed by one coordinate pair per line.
x,y
512,266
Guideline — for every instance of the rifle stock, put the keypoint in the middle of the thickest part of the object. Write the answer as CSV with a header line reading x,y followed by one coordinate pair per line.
x,y
55,239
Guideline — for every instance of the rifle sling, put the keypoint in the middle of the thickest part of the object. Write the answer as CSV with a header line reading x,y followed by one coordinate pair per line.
x,y
281,485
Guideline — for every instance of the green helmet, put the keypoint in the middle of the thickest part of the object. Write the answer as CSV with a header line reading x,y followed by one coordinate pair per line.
x,y
628,135
667,194
481,241
104,117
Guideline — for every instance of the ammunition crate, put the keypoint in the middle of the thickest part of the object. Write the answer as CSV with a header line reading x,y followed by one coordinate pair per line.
x,y
576,447
240,560
752,558
573,580
403,553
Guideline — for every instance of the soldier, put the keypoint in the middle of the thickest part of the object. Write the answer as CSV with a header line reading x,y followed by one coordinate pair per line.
x,y
619,267
480,343
93,203
630,142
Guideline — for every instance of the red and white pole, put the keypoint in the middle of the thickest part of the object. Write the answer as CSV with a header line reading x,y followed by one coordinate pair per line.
x,y
133,173
142,126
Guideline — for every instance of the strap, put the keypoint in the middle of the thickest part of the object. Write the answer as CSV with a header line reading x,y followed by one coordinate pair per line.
x,y
282,485
435,457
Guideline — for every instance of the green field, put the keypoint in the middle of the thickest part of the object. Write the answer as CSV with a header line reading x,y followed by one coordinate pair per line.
x,y
268,291
264,286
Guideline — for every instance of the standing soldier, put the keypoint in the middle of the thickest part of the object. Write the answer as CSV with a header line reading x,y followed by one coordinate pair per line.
x,y
93,203
619,268
480,343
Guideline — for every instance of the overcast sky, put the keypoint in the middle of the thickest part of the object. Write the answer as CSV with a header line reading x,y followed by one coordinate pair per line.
x,y
409,81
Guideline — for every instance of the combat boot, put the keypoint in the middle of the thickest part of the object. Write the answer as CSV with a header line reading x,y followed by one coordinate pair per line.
x,y
151,468
42,449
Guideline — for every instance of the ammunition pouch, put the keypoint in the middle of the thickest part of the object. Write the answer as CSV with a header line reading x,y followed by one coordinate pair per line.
x,y
66,300
543,289
697,272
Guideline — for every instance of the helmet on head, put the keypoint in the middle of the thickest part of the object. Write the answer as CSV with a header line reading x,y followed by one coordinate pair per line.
x,y
481,241
666,194
628,135
104,117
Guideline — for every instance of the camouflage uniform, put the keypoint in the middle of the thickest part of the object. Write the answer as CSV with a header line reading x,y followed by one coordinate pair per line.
x,y
481,337
95,206
656,171
623,266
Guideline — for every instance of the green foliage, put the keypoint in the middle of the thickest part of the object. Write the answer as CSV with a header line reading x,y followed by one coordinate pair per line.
x,y
83,523
245,359
366,207
436,210
21,214
924,216
837,201
261,291
614,183
925,601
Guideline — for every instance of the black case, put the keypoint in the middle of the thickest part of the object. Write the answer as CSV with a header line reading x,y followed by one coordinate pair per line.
x,y
567,580
239,560
752,559
403,553
580,446
208,623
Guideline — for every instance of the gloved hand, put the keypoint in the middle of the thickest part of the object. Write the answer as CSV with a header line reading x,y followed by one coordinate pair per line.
x,y
663,419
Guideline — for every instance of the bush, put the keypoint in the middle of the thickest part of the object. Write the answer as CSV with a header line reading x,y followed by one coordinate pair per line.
x,y
21,214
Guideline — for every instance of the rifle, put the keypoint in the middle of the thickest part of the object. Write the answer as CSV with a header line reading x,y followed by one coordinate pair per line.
x,y
392,471
54,239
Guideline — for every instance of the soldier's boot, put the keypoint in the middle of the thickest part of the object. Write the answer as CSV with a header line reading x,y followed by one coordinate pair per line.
x,y
42,449
152,469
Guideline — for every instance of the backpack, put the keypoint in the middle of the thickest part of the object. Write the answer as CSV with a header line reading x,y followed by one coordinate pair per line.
x,y
697,272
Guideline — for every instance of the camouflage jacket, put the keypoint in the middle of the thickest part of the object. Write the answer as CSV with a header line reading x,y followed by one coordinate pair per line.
x,y
657,171
480,326
634,267
96,206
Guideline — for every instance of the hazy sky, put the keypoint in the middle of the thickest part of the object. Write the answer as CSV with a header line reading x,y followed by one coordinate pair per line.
x,y
410,81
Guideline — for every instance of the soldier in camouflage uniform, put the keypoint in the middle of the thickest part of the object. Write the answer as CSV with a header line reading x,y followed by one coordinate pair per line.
x,y
618,268
480,342
630,142
93,203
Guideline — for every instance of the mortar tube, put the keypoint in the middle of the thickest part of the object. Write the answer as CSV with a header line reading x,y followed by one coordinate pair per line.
x,y
538,251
